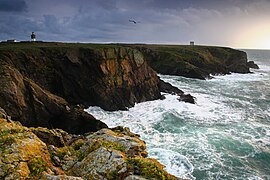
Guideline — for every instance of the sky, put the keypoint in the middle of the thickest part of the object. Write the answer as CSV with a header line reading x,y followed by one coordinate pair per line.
x,y
233,23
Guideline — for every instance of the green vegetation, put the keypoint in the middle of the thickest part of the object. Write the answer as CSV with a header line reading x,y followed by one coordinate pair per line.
x,y
9,136
67,150
148,168
106,144
78,144
37,165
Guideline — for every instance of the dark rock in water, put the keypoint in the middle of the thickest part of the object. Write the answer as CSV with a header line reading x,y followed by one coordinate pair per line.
x,y
251,64
187,98
168,88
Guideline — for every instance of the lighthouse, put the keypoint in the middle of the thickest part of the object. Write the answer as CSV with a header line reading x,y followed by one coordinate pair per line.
x,y
33,37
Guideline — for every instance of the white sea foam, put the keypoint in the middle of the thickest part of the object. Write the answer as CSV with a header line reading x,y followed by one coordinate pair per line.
x,y
225,125
176,163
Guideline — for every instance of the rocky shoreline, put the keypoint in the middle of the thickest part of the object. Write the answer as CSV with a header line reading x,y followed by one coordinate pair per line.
x,y
40,153
46,86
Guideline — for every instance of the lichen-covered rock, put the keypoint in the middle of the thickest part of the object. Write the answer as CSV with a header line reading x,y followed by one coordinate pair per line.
x,y
100,164
116,154
106,154
22,154
47,176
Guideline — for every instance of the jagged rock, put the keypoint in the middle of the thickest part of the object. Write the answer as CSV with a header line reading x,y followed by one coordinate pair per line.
x,y
168,88
251,64
106,154
56,137
187,98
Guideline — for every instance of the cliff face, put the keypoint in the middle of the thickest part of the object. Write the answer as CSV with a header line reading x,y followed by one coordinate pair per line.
x,y
43,83
26,101
195,61
112,78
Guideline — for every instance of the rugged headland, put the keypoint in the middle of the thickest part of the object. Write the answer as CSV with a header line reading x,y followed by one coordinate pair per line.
x,y
46,86
195,61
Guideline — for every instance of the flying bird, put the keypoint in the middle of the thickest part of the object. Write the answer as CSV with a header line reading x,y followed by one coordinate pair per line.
x,y
135,22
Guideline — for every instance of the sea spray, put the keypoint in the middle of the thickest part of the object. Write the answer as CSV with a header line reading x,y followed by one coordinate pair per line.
x,y
225,135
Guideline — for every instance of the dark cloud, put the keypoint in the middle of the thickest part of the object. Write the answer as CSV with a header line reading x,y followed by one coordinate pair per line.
x,y
170,21
13,5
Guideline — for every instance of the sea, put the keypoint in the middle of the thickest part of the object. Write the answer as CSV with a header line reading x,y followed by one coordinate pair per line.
x,y
225,135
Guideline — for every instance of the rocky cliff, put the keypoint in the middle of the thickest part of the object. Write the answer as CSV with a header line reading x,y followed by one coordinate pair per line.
x,y
40,153
45,84
195,61
48,84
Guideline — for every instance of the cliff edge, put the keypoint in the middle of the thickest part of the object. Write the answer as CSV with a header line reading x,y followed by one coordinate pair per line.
x,y
195,61
48,84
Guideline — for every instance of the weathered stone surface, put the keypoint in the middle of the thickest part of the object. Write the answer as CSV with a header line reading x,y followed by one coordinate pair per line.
x,y
56,137
100,163
106,154
134,177
46,176
22,154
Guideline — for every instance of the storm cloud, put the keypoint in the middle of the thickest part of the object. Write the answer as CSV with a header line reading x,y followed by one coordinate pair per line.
x,y
172,21
13,5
